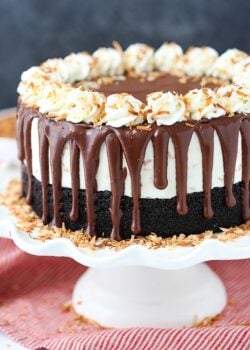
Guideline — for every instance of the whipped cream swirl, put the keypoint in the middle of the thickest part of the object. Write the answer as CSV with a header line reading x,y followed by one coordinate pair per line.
x,y
139,58
168,57
164,108
198,61
31,81
48,87
243,66
243,79
78,66
31,93
53,98
225,66
57,69
123,110
34,74
108,62
202,103
83,106
234,98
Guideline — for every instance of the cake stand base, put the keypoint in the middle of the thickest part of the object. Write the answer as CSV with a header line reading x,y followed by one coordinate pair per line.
x,y
137,296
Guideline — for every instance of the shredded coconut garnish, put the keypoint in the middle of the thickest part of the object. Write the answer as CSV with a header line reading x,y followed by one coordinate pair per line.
x,y
29,223
49,86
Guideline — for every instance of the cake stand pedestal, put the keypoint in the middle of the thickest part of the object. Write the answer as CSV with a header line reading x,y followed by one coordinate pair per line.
x,y
134,296
137,286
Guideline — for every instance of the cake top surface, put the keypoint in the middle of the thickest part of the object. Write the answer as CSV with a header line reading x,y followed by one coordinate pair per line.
x,y
140,85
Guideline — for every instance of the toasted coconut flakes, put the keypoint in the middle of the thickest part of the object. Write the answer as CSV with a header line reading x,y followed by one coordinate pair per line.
x,y
207,321
67,306
29,222
117,46
242,323
144,127
183,80
189,124
206,80
77,322
195,79
5,323
151,76
215,320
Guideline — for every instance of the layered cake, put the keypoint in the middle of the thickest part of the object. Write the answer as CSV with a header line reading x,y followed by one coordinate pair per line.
x,y
123,143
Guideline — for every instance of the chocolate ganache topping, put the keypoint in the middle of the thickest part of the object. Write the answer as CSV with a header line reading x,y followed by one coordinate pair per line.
x,y
86,141
140,88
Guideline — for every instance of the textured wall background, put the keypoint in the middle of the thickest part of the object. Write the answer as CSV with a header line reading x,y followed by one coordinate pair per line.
x,y
32,30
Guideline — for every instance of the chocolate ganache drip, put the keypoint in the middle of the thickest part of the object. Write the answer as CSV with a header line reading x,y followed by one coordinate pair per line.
x,y
134,148
245,132
85,142
24,124
75,178
44,166
160,140
228,134
114,151
205,134
181,135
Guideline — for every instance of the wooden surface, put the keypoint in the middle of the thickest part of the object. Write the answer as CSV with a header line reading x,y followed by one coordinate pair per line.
x,y
7,129
8,122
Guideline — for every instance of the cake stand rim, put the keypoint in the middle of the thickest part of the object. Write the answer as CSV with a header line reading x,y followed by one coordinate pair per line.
x,y
163,258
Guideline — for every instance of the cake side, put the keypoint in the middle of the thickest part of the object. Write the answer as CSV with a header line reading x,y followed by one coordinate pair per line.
x,y
86,142
158,216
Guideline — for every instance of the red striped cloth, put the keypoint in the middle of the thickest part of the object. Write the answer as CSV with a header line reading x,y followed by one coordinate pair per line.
x,y
32,290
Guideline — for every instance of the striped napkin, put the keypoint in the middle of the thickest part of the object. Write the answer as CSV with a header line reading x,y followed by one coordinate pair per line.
x,y
34,292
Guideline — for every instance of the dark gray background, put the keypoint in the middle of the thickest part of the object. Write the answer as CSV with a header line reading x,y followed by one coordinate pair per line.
x,y
33,30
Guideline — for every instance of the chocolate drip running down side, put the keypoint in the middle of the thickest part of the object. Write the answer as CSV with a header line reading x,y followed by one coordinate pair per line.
x,y
205,134
245,132
24,145
86,141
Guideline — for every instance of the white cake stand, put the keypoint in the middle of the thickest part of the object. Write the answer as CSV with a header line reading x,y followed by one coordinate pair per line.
x,y
137,286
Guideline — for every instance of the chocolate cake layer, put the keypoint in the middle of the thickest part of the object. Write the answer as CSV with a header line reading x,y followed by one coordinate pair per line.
x,y
157,215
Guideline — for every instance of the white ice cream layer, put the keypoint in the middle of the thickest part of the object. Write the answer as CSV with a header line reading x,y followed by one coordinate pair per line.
x,y
194,183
